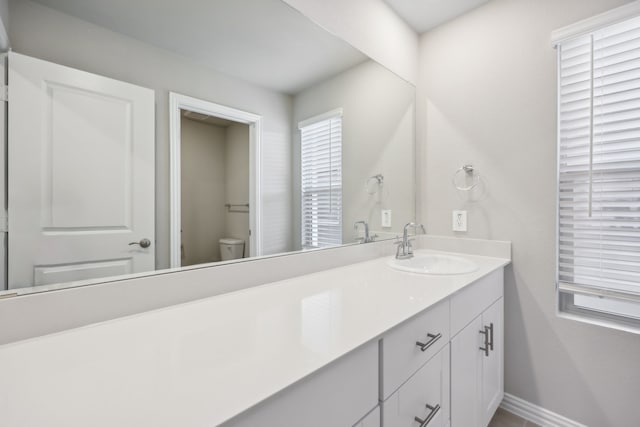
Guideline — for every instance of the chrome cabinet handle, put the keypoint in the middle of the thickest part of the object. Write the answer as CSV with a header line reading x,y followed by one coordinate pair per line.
x,y
144,243
434,410
432,339
485,332
491,336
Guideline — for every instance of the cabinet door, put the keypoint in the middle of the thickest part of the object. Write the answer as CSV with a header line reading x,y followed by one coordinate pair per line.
x,y
493,365
466,376
371,420
425,396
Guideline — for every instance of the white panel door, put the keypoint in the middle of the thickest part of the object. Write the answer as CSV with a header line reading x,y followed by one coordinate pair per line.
x,y
493,365
80,174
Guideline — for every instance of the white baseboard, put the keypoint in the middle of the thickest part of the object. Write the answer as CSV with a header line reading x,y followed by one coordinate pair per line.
x,y
535,414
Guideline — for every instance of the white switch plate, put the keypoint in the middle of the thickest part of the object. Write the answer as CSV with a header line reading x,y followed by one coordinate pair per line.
x,y
459,221
386,217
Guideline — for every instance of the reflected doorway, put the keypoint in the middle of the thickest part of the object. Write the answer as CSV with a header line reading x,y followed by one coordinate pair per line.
x,y
214,182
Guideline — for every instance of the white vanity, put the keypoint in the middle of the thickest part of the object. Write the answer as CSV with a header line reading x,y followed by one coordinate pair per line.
x,y
362,345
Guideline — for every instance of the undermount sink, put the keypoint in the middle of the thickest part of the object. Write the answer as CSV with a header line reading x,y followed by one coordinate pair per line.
x,y
440,264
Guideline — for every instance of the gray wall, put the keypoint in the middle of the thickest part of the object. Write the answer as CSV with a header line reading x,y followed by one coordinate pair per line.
x,y
487,96
4,13
46,34
378,127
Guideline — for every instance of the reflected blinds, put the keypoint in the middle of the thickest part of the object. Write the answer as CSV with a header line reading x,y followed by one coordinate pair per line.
x,y
599,162
321,176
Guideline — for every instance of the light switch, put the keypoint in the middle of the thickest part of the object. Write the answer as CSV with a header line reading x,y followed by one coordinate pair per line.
x,y
386,218
459,220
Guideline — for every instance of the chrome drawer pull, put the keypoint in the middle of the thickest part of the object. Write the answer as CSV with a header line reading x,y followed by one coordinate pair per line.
x,y
486,347
432,339
434,410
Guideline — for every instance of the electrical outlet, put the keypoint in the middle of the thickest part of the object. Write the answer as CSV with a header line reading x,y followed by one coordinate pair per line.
x,y
386,217
459,221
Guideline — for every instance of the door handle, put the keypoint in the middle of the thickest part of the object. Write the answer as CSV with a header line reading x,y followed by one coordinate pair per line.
x,y
144,243
491,336
487,346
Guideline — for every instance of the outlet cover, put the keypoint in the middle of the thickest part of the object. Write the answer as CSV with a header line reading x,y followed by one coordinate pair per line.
x,y
459,221
386,217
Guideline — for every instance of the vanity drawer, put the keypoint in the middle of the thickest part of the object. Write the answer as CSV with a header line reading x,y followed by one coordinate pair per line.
x,y
467,304
425,396
401,355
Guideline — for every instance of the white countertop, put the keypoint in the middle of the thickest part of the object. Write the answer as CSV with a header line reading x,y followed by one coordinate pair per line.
x,y
201,363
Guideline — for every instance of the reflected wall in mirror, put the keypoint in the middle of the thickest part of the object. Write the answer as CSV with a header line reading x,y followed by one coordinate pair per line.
x,y
305,138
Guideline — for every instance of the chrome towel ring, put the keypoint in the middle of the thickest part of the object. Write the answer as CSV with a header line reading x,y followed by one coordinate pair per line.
x,y
374,183
461,178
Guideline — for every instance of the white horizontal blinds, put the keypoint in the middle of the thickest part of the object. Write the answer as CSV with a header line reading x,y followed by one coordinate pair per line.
x,y
322,182
599,160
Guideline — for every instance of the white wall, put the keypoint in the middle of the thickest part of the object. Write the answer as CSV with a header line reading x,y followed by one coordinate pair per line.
x,y
487,86
370,26
202,194
44,33
377,137
237,182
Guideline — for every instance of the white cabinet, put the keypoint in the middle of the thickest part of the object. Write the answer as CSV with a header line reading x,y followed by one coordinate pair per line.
x,y
477,385
416,375
424,399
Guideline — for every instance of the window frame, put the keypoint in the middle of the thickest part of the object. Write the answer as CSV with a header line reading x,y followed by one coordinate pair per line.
x,y
566,305
327,116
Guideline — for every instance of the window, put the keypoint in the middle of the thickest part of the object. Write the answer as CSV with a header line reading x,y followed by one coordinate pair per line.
x,y
321,180
599,175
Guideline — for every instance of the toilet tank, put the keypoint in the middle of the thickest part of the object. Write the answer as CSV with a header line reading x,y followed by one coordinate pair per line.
x,y
231,248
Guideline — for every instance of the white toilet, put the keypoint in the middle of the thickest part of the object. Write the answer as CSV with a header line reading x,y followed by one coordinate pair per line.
x,y
231,248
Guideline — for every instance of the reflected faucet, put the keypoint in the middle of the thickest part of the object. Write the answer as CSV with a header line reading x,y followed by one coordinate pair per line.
x,y
405,249
366,238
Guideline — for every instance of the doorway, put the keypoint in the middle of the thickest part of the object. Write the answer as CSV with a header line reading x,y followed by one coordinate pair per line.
x,y
215,182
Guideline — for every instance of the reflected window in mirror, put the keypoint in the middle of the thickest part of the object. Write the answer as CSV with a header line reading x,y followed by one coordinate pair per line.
x,y
321,178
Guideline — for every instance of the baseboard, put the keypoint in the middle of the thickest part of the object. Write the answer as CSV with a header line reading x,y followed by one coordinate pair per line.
x,y
535,413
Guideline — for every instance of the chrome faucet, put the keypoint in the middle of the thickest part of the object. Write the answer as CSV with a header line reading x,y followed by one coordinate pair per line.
x,y
405,249
366,238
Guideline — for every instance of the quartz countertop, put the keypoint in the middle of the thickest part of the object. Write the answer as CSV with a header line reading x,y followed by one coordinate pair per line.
x,y
201,363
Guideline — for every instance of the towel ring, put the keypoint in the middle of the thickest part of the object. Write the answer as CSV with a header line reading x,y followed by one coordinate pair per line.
x,y
464,172
374,183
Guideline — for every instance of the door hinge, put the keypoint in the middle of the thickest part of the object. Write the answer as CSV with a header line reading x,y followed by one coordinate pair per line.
x,y
4,93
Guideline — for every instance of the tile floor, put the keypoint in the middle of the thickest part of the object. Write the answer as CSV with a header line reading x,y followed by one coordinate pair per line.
x,y
503,418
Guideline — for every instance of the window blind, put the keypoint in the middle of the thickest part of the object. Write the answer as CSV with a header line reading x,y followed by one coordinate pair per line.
x,y
321,182
599,166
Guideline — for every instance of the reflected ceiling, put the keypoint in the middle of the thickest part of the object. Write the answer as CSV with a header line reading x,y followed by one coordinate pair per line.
x,y
241,38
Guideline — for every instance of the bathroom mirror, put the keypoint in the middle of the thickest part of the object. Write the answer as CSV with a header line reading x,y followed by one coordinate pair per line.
x,y
266,135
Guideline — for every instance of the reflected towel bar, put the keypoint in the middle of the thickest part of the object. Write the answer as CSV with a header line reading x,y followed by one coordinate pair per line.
x,y
232,207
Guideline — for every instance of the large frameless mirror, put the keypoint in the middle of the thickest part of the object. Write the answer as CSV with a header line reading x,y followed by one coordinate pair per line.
x,y
146,136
